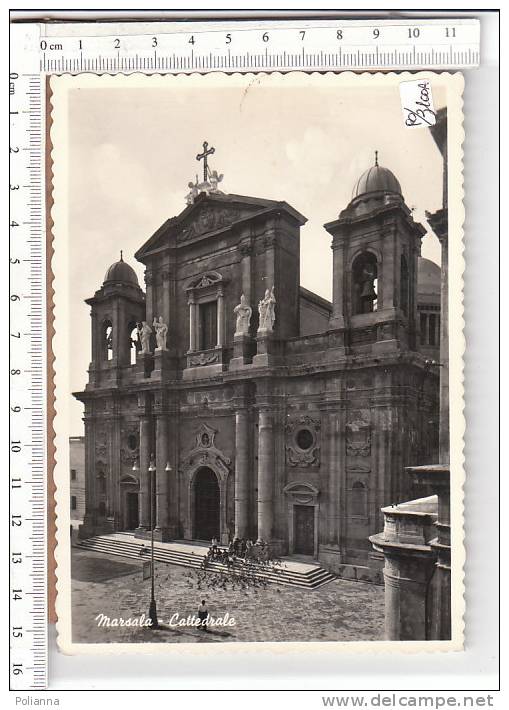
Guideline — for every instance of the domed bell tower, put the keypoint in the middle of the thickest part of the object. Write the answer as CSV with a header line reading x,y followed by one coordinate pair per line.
x,y
376,244
116,309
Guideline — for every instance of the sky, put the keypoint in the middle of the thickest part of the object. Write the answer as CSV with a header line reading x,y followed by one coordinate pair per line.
x,y
132,152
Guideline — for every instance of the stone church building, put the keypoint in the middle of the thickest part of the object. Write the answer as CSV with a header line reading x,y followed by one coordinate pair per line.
x,y
277,416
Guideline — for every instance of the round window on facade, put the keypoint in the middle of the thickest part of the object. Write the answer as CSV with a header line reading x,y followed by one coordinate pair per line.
x,y
304,439
132,442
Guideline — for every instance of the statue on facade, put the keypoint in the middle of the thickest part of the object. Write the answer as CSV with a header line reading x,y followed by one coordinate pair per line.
x,y
193,191
144,333
214,180
243,311
161,330
267,311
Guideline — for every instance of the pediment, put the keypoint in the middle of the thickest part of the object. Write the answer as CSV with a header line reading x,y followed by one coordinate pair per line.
x,y
207,215
211,217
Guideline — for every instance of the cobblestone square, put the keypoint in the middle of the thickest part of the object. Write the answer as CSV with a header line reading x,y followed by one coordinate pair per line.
x,y
338,611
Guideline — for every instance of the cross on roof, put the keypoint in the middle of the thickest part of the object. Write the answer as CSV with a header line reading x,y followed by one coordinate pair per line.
x,y
206,152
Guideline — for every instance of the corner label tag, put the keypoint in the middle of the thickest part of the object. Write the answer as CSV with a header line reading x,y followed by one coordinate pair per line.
x,y
417,103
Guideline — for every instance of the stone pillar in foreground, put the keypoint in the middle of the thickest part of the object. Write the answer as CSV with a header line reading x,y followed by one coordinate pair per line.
x,y
409,565
437,479
265,475
444,440
241,473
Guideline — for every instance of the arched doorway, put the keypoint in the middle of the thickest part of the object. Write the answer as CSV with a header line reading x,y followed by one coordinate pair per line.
x,y
206,505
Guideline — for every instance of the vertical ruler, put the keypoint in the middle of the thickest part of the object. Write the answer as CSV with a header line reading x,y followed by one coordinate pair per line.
x,y
27,339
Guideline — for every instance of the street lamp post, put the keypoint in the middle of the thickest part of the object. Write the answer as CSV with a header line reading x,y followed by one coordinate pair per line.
x,y
152,613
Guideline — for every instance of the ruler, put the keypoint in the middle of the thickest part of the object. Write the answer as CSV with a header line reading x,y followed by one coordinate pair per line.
x,y
41,49
263,46
27,339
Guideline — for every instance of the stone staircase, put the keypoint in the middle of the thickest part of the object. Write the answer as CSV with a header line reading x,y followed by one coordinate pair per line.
x,y
291,573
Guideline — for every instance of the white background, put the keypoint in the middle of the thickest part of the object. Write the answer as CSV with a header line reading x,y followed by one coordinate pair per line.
x,y
477,667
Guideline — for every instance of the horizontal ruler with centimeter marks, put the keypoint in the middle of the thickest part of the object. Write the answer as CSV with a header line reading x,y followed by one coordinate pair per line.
x,y
265,46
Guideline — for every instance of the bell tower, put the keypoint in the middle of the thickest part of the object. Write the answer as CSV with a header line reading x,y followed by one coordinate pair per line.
x,y
116,308
376,244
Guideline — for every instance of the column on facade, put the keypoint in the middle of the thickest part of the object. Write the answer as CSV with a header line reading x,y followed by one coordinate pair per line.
x,y
423,327
220,319
149,297
144,495
192,324
270,243
386,473
90,483
113,500
265,475
241,473
162,502
173,477
427,331
246,271
338,305
96,338
116,335
166,300
335,455
387,272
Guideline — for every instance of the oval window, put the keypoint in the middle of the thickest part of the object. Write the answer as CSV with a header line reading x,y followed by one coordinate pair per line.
x,y
132,441
304,439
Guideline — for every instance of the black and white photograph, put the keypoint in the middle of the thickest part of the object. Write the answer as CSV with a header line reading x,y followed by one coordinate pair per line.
x,y
258,357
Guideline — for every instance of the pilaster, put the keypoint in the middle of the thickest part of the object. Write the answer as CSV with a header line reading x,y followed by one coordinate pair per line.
x,y
145,451
265,474
162,460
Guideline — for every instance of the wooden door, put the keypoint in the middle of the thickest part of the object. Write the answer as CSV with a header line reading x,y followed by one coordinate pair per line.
x,y
132,510
304,530
206,505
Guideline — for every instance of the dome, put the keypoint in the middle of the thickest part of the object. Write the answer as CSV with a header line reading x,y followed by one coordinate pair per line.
x,y
376,179
428,277
120,272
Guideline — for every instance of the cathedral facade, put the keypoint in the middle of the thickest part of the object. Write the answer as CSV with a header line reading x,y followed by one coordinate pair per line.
x,y
256,408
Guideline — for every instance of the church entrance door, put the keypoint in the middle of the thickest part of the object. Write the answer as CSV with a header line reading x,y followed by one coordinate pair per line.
x,y
206,505
304,531
132,510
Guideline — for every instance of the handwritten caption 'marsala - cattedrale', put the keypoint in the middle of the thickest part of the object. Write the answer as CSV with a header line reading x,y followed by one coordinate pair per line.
x,y
175,620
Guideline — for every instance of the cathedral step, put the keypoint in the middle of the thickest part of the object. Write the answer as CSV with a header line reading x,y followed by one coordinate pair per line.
x,y
296,574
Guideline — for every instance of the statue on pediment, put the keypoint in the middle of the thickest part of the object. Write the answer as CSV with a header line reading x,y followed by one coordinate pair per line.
x,y
267,311
214,180
193,191
144,333
161,330
243,311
